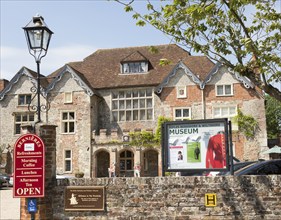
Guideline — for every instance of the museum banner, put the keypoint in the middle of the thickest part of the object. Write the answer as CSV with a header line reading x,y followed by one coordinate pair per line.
x,y
196,144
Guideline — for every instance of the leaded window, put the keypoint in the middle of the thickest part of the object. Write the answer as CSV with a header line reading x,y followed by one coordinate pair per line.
x,y
132,105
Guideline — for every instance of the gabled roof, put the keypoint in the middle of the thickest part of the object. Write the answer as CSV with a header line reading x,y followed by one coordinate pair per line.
x,y
78,77
197,68
135,56
187,71
32,77
246,82
102,69
205,70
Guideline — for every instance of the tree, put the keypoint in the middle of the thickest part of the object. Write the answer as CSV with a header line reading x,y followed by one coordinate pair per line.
x,y
273,117
224,31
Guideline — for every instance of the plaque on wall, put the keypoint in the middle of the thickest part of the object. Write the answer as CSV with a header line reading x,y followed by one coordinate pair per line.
x,y
84,198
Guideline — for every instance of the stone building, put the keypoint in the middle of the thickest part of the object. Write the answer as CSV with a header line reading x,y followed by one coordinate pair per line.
x,y
97,102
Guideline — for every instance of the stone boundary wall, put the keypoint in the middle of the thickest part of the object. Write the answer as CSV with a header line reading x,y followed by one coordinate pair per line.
x,y
180,198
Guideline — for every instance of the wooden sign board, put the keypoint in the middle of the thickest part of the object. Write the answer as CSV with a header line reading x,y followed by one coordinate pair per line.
x,y
84,198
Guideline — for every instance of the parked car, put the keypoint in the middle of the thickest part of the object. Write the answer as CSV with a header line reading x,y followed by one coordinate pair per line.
x,y
5,179
267,167
237,166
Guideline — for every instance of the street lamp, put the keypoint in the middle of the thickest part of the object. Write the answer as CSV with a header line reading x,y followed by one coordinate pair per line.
x,y
38,37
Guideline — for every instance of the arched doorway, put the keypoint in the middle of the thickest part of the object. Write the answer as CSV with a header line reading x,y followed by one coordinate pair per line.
x,y
102,159
126,161
150,163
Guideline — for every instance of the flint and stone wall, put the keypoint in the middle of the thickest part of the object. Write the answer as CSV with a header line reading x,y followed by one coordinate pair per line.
x,y
246,197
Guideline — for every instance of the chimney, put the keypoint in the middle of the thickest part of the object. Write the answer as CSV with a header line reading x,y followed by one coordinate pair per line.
x,y
3,84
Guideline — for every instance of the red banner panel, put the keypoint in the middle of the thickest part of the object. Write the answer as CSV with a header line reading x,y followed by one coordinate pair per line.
x,y
29,167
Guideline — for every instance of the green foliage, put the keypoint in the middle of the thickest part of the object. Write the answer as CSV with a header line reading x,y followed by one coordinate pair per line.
x,y
147,138
224,31
164,62
169,173
153,49
142,139
247,124
160,122
273,117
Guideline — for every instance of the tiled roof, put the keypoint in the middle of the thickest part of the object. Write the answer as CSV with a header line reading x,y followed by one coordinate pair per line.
x,y
102,68
199,65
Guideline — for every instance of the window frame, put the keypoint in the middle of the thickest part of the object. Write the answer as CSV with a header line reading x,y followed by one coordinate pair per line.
x,y
229,116
182,117
68,122
126,158
224,89
65,97
25,102
134,65
132,105
21,122
66,159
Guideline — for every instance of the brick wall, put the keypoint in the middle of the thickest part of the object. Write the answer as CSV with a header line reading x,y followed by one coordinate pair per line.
x,y
202,102
80,142
245,197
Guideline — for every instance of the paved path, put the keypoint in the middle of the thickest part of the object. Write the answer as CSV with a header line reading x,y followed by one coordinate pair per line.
x,y
9,206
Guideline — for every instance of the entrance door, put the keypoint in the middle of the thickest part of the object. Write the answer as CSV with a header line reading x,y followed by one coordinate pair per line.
x,y
102,163
126,163
150,158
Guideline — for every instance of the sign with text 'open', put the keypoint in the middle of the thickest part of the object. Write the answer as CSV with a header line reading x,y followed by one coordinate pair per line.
x,y
29,167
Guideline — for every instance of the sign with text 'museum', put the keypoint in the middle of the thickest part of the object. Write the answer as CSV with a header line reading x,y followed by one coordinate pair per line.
x,y
196,145
29,167
84,198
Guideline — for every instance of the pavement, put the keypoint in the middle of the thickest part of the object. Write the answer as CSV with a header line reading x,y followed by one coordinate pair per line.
x,y
9,206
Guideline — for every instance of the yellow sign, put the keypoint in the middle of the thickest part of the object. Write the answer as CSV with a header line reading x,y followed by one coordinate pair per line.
x,y
210,199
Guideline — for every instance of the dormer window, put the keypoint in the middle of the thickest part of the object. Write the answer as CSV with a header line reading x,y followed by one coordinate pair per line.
x,y
134,67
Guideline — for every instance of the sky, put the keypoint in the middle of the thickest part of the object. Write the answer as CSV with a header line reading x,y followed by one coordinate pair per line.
x,y
80,28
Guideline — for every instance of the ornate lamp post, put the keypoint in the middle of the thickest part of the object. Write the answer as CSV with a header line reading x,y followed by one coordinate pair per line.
x,y
38,37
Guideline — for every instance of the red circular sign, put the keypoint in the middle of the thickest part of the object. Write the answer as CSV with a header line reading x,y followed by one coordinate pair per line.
x,y
29,167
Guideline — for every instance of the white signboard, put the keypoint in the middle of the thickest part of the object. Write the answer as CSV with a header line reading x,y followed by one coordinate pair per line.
x,y
196,144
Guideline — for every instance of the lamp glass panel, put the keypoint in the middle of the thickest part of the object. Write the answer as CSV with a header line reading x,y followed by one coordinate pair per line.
x,y
46,37
35,37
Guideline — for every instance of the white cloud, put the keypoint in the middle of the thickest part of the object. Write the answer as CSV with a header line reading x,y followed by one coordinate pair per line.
x,y
12,59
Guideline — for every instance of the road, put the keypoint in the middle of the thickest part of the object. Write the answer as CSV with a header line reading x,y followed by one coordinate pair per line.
x,y
9,206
